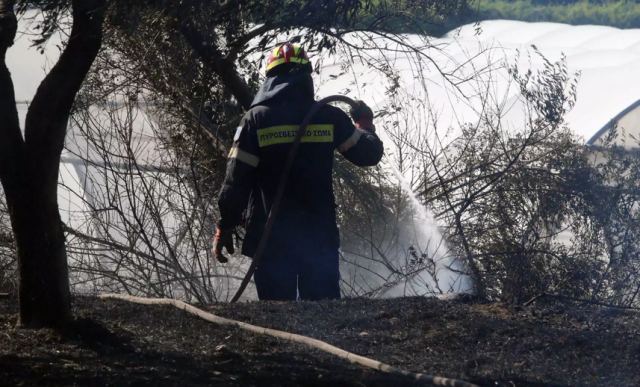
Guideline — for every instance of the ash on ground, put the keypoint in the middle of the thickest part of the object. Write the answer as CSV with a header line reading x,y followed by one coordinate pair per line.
x,y
548,342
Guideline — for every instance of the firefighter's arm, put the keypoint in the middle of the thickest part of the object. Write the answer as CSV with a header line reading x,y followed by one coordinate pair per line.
x,y
242,162
236,188
359,144
234,194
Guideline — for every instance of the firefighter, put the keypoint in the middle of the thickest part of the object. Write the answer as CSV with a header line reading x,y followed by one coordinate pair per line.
x,y
301,256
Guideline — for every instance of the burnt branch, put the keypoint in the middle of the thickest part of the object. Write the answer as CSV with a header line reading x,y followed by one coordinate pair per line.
x,y
224,68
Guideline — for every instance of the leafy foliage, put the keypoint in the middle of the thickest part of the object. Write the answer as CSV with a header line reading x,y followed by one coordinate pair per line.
x,y
52,12
615,13
430,17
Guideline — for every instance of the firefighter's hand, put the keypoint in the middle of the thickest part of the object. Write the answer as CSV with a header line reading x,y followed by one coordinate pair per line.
x,y
362,115
222,238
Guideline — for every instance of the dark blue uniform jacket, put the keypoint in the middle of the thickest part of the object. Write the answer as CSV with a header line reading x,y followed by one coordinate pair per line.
x,y
307,216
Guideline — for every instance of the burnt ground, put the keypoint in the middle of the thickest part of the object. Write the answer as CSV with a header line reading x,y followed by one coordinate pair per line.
x,y
549,342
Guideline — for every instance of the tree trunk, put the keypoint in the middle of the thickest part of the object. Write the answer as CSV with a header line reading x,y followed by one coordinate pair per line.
x,y
42,260
29,167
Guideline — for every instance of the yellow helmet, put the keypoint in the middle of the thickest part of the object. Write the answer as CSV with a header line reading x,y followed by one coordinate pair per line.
x,y
288,53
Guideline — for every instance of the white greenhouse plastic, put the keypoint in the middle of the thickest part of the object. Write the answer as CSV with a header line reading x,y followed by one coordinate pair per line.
x,y
607,58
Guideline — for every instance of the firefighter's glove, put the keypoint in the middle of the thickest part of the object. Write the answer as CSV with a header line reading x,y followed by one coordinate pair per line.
x,y
362,115
223,238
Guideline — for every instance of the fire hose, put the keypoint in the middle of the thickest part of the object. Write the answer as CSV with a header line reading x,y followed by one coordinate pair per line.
x,y
418,378
275,207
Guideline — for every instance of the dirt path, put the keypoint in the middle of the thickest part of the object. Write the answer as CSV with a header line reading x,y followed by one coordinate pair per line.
x,y
117,343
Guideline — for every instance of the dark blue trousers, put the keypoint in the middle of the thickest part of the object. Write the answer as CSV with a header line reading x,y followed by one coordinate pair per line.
x,y
311,275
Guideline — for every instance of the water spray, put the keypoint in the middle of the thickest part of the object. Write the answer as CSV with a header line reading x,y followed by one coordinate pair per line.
x,y
426,228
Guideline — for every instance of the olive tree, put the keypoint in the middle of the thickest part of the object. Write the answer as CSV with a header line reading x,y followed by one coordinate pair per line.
x,y
30,158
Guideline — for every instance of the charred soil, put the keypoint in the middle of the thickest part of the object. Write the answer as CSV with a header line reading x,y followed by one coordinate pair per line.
x,y
549,342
